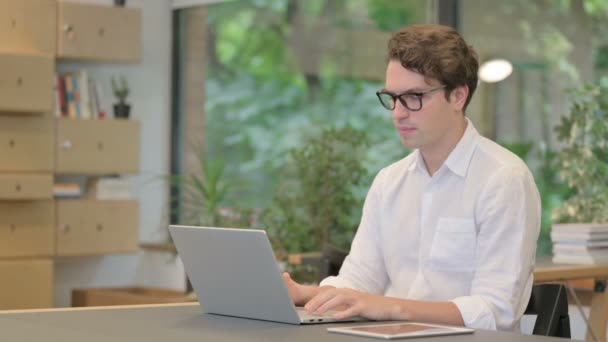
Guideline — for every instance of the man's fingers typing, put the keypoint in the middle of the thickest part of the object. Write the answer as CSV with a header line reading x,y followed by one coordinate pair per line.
x,y
331,304
354,310
319,299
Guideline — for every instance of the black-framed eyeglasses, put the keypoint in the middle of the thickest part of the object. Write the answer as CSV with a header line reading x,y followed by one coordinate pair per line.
x,y
410,100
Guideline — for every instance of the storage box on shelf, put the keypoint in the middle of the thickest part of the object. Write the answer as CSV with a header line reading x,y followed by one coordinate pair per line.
x,y
27,136
94,147
99,33
128,296
26,229
24,186
26,80
26,142
89,227
28,26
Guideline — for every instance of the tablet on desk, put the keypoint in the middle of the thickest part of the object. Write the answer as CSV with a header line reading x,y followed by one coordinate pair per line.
x,y
400,330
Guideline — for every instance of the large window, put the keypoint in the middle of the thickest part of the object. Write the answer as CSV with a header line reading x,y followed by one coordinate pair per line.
x,y
278,72
281,71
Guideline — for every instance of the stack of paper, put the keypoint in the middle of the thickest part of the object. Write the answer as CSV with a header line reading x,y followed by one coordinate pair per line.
x,y
113,188
580,243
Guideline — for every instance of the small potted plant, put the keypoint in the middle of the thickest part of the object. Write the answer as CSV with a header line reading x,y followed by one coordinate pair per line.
x,y
121,91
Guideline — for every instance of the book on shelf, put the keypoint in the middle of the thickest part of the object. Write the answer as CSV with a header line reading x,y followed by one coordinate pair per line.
x,y
580,252
577,228
581,236
581,244
78,96
85,103
67,190
579,249
98,94
57,95
69,97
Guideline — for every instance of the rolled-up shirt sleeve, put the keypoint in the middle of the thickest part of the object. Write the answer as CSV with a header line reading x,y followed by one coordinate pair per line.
x,y
363,269
508,212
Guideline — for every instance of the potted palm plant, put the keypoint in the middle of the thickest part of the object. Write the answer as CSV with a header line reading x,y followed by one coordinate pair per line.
x,y
205,195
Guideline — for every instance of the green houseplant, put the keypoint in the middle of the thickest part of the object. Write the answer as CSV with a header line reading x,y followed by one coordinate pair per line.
x,y
120,88
316,202
584,157
204,197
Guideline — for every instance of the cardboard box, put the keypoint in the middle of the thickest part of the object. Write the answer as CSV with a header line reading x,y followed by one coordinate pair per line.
x,y
26,284
127,296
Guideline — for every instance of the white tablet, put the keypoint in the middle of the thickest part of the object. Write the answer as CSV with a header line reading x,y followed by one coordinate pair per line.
x,y
401,330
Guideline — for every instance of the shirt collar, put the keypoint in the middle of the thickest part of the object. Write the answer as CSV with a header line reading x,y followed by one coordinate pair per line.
x,y
418,162
459,159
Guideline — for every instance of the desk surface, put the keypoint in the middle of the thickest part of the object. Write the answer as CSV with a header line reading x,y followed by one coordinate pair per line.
x,y
184,323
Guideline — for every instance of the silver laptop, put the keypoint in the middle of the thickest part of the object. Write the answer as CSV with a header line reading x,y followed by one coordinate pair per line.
x,y
234,272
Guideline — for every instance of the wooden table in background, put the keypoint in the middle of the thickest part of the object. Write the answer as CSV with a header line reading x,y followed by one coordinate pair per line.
x,y
591,282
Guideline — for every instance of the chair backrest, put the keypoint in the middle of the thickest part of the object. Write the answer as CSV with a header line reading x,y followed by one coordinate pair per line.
x,y
550,303
331,261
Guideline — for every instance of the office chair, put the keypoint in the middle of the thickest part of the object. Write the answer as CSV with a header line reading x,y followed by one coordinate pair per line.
x,y
331,261
550,303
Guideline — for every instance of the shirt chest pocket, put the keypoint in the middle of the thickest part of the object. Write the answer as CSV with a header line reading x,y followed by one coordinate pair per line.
x,y
454,245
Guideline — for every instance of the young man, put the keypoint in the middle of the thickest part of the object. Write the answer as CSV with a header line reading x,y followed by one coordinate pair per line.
x,y
448,234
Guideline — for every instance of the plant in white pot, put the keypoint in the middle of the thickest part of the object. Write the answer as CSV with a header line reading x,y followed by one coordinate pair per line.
x,y
581,222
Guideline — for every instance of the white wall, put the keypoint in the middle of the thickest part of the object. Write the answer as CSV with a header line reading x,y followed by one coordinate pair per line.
x,y
150,83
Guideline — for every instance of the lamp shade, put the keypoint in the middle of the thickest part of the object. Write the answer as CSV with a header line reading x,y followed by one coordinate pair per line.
x,y
495,70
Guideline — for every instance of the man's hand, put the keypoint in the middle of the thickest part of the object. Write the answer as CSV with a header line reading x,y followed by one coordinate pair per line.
x,y
351,303
299,293
356,303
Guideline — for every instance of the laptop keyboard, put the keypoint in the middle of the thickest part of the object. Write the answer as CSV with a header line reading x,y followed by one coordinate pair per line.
x,y
307,317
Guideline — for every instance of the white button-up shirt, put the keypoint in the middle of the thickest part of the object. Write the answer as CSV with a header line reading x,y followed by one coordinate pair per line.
x,y
466,235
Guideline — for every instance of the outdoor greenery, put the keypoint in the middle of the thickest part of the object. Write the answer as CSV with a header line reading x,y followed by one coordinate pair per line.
x,y
275,85
550,33
262,102
584,156
316,203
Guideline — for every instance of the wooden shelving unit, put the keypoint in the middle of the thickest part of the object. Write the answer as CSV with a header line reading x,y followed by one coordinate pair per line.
x,y
35,146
